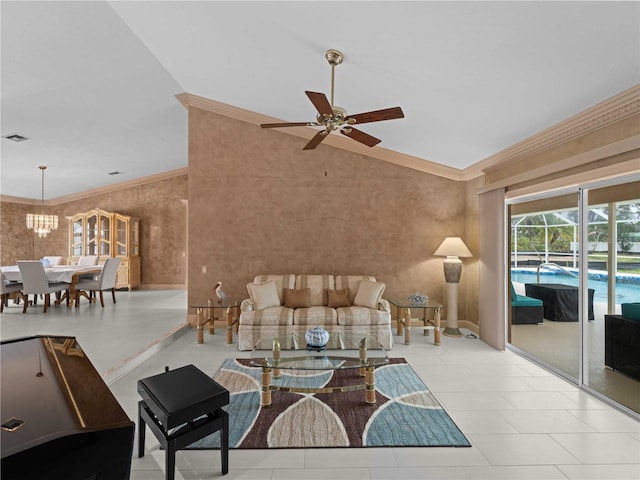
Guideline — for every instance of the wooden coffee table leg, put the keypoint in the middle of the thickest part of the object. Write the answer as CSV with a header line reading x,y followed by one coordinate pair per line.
x,y
265,395
276,357
363,357
370,383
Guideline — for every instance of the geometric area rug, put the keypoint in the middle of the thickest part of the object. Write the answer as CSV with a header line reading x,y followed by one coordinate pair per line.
x,y
405,414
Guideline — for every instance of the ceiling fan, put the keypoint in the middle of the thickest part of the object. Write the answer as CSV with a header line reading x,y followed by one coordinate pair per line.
x,y
332,117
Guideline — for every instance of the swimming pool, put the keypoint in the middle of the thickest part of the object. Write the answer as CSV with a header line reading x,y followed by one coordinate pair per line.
x,y
627,286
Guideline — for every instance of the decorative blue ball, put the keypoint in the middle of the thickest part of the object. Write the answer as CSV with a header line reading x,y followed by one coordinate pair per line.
x,y
316,337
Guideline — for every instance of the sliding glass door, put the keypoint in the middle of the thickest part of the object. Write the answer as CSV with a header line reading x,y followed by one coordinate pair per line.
x,y
574,260
544,281
614,274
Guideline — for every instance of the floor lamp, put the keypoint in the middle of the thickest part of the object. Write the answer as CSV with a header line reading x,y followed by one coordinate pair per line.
x,y
452,248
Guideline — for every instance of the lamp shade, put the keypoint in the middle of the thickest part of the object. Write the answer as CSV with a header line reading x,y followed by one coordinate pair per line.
x,y
453,247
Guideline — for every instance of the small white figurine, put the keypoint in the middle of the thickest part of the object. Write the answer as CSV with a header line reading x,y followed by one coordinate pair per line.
x,y
219,293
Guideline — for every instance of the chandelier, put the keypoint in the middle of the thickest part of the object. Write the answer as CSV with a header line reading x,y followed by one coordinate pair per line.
x,y
39,222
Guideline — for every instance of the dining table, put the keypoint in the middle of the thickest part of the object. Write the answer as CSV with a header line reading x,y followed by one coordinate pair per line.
x,y
55,274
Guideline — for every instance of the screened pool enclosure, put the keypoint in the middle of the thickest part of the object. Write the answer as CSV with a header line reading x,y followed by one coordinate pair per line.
x,y
552,236
547,242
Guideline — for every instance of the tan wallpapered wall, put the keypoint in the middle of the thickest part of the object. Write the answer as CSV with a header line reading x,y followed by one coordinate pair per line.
x,y
259,204
16,242
160,206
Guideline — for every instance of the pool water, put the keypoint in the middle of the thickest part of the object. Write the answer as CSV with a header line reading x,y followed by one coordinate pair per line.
x,y
627,287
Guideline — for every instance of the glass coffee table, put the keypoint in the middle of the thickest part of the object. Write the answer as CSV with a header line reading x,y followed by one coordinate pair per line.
x,y
361,353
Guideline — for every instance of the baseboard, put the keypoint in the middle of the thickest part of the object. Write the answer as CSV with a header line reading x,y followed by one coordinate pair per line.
x,y
160,286
192,320
143,354
470,326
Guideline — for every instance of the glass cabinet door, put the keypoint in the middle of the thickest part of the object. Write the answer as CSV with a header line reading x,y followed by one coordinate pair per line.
x,y
105,236
135,238
77,242
121,237
92,235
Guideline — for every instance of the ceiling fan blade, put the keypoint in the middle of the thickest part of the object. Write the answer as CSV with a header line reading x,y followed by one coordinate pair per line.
x,y
376,115
315,141
360,136
289,124
321,103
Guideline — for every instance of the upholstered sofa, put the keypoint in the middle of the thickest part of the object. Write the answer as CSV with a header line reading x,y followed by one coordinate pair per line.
x,y
286,306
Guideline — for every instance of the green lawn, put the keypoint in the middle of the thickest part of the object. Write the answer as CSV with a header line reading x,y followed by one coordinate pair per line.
x,y
622,259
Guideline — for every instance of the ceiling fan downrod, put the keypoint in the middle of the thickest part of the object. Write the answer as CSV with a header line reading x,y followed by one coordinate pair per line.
x,y
334,57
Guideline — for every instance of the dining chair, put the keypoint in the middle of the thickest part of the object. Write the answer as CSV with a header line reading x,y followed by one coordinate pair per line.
x,y
105,281
87,260
7,288
34,281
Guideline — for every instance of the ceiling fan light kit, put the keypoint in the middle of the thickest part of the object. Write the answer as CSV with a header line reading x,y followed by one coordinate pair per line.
x,y
332,117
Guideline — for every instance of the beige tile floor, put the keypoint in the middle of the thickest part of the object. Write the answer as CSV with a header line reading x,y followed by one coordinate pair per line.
x,y
522,421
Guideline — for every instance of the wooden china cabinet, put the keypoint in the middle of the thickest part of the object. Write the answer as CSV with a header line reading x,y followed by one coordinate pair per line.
x,y
107,234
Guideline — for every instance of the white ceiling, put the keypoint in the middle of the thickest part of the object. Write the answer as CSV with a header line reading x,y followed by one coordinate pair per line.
x,y
92,84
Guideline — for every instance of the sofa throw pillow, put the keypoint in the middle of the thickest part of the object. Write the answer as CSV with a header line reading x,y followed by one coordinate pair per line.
x,y
338,298
264,295
369,294
297,298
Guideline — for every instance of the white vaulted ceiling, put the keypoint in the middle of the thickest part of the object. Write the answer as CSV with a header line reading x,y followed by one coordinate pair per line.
x,y
93,84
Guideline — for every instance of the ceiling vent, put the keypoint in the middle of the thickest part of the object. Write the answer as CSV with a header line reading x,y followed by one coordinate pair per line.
x,y
16,137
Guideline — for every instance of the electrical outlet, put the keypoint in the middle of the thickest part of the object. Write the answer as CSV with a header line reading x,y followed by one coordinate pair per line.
x,y
204,269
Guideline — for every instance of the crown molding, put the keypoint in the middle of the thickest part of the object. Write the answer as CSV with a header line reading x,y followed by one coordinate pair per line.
x,y
614,109
22,200
337,141
100,190
630,144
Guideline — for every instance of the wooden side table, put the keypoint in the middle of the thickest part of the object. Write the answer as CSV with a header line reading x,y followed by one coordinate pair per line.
x,y
404,306
206,315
